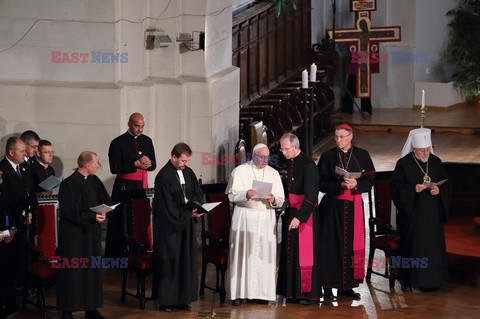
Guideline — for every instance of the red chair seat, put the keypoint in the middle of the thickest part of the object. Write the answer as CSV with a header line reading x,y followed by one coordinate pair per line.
x,y
215,256
141,261
389,243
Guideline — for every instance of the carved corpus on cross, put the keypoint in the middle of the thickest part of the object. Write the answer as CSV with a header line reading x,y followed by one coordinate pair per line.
x,y
363,45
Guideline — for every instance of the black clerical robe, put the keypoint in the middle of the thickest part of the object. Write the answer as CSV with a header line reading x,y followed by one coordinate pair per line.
x,y
337,216
79,235
302,179
40,173
175,279
123,152
420,219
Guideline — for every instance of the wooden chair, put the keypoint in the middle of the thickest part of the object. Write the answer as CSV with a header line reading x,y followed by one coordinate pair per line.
x,y
141,250
382,236
215,235
240,152
40,273
258,134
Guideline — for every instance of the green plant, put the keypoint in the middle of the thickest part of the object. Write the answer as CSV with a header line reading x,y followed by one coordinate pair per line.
x,y
464,43
280,5
473,88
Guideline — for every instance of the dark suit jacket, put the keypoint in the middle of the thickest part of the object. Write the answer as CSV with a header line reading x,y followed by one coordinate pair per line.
x,y
18,193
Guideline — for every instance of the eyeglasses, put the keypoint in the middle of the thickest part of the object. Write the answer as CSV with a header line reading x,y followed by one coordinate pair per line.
x,y
341,137
35,147
48,152
285,149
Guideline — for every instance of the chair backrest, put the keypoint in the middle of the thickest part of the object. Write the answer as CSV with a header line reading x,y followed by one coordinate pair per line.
x,y
217,221
45,237
240,152
383,195
141,222
258,134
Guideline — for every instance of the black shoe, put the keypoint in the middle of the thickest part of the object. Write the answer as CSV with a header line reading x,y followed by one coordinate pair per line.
x,y
327,293
182,307
258,301
406,288
67,315
237,302
94,314
305,301
349,293
166,308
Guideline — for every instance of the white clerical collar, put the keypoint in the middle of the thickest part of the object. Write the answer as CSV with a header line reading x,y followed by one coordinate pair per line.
x,y
133,135
181,177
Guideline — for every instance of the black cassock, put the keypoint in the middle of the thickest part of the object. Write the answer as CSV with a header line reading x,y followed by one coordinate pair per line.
x,y
175,279
302,179
420,219
79,235
40,173
122,153
337,216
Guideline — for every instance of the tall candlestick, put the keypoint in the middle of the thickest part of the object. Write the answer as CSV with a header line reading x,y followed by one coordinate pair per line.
x,y
313,73
423,99
422,110
305,79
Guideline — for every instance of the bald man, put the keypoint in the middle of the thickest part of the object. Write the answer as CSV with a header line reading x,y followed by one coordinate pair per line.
x,y
79,236
131,155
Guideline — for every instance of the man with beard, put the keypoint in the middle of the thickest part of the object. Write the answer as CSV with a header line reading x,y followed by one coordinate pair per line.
x,y
422,206
131,156
175,279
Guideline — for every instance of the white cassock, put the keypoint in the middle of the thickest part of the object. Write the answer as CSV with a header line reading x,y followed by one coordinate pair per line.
x,y
253,242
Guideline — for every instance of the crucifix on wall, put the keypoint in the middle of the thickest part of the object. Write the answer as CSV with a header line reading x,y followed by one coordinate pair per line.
x,y
363,46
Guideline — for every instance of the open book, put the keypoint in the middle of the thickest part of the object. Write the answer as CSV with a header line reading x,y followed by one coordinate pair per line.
x,y
201,209
103,209
51,182
340,171
431,185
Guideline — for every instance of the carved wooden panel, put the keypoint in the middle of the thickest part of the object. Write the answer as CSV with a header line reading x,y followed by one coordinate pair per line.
x,y
268,49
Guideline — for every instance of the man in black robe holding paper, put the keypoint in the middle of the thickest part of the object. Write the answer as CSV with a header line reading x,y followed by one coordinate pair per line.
x,y
41,168
131,156
422,210
79,236
175,280
299,259
342,223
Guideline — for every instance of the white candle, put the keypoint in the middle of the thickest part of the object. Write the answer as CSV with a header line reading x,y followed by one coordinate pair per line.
x,y
423,99
305,79
313,73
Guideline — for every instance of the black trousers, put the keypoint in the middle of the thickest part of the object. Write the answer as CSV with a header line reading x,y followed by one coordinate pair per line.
x,y
347,102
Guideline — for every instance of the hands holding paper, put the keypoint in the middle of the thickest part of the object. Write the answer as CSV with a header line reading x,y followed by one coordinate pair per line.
x,y
254,193
100,217
349,183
